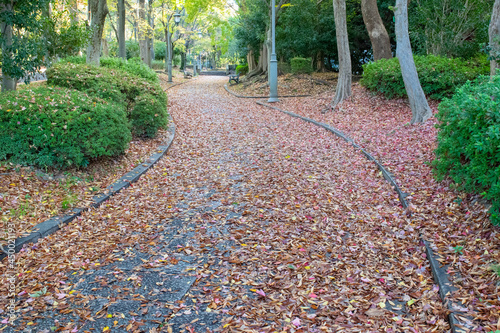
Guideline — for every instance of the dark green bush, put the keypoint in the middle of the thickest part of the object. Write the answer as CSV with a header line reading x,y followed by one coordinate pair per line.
x,y
438,76
57,127
469,140
109,84
242,69
148,115
301,65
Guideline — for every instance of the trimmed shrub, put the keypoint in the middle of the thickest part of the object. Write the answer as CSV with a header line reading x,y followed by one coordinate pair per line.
x,y
301,65
58,127
242,69
469,140
158,65
284,67
438,76
74,60
132,66
148,115
109,84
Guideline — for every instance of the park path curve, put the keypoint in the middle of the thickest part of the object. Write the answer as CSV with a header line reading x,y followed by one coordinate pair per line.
x,y
253,222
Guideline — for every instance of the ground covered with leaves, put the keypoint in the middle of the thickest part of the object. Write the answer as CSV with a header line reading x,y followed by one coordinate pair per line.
x,y
253,222
456,223
289,84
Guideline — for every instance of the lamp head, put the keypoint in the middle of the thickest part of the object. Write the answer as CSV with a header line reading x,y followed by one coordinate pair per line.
x,y
177,18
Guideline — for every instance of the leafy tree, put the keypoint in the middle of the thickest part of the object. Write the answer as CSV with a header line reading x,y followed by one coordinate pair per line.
x,y
450,28
22,53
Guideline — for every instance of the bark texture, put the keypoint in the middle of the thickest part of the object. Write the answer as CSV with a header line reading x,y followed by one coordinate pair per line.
x,y
262,64
122,51
344,81
379,37
252,64
494,35
8,82
142,31
98,13
419,107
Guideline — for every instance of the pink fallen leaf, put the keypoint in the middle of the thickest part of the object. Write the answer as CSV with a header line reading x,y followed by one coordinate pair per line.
x,y
296,322
61,295
261,293
312,295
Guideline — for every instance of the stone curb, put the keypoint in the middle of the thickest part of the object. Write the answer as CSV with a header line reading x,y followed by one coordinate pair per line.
x,y
241,96
55,223
441,277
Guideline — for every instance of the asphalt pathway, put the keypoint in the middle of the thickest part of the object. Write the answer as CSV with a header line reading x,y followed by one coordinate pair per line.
x,y
253,222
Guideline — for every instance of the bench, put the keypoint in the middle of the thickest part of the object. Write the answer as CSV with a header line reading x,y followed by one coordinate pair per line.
x,y
235,78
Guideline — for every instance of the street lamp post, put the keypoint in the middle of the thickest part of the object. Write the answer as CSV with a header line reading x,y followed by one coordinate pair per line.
x,y
177,19
273,66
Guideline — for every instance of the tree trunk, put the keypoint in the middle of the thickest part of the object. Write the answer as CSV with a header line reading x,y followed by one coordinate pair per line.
x,y
320,62
105,48
261,67
142,31
344,81
419,107
98,13
151,28
8,82
183,61
122,51
251,61
494,32
379,37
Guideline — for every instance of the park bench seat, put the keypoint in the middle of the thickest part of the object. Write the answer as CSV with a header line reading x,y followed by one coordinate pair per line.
x,y
235,78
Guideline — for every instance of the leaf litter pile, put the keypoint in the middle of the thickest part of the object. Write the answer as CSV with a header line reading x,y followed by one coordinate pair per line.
x,y
275,224
456,223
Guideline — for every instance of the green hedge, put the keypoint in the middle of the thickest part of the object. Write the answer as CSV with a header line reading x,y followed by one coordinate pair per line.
x,y
469,140
133,66
438,76
109,84
301,65
242,69
57,127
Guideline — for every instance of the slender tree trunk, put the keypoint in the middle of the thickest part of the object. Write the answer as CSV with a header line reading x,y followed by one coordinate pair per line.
x,y
183,61
151,27
419,107
98,13
142,31
47,14
105,48
494,32
344,81
122,50
379,37
8,82
320,62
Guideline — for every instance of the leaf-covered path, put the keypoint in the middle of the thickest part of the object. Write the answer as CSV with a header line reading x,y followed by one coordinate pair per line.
x,y
253,222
